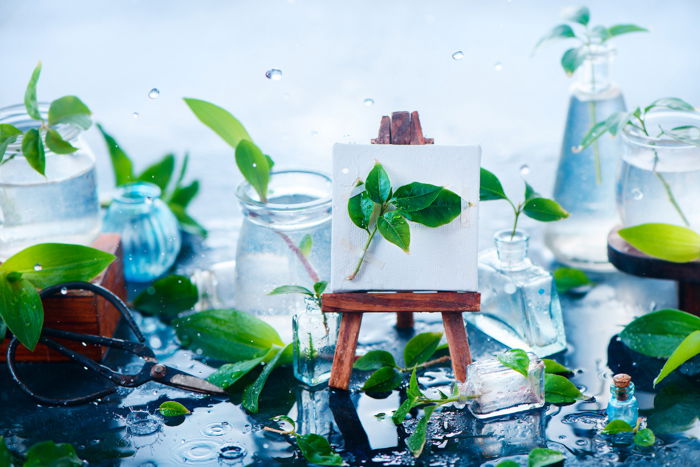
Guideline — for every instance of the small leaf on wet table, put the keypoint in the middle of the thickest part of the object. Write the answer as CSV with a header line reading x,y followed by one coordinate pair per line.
x,y
516,359
48,453
542,457
317,450
374,360
659,333
644,437
168,296
228,374
285,419
687,349
5,454
617,426
173,409
554,367
508,463
568,279
559,390
251,394
420,348
666,241
416,442
21,310
383,380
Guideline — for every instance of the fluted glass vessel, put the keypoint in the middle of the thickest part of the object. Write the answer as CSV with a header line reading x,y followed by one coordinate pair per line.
x,y
315,336
149,230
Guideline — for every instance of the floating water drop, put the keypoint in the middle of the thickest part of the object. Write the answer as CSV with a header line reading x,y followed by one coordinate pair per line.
x,y
637,194
273,74
458,55
509,288
154,93
38,267
369,102
231,451
216,429
135,115
64,290
524,170
498,66
345,171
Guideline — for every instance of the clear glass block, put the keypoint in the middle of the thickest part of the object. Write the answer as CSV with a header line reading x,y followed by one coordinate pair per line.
x,y
60,207
519,302
313,412
585,180
315,336
149,231
508,435
493,390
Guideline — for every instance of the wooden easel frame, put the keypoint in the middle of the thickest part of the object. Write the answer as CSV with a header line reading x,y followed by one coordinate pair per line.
x,y
401,128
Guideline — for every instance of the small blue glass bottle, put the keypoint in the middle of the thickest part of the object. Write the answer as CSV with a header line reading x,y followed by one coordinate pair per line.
x,y
623,405
149,231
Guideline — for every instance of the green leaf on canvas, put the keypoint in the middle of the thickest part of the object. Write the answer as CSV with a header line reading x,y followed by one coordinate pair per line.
x,y
443,210
415,196
659,333
515,359
394,228
360,209
666,241
173,409
168,296
377,184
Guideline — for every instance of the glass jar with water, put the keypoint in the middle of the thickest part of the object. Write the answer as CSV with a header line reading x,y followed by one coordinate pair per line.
x,y
60,207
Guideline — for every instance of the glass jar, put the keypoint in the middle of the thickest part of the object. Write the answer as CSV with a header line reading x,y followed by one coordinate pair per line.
x,y
585,180
270,251
659,180
519,303
60,207
149,231
315,336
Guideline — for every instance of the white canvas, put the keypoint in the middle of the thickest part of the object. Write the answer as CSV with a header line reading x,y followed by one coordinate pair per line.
x,y
440,259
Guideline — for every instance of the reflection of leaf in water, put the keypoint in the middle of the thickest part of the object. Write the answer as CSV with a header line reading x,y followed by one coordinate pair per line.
x,y
676,407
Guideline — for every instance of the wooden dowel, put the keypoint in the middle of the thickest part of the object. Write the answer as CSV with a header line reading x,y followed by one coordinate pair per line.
x,y
346,346
456,334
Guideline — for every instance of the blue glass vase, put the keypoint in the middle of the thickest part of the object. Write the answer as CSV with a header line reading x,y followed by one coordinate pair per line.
x,y
149,230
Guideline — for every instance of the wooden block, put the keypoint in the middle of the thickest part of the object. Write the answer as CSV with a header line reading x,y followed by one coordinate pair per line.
x,y
401,128
383,302
384,136
404,320
456,334
346,347
81,311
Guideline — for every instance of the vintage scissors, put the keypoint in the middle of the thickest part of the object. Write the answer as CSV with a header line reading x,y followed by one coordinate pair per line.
x,y
152,370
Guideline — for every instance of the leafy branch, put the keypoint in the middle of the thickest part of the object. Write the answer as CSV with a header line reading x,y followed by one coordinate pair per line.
x,y
643,437
315,448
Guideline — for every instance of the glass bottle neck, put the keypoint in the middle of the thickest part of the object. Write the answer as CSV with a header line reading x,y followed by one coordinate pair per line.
x,y
622,394
511,248
594,76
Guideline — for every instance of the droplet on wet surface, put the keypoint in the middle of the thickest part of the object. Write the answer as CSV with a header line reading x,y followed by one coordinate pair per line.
x,y
458,55
274,74
231,451
154,93
142,423
38,267
217,429
199,450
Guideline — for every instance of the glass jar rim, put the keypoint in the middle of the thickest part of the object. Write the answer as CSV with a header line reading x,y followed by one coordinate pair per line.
x,y
507,236
244,188
137,192
633,136
16,114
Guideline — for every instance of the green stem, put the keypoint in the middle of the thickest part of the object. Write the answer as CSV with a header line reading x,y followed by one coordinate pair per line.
x,y
517,215
364,253
596,147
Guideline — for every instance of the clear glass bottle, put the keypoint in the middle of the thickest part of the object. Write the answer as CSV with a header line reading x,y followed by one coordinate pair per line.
x,y
585,180
149,231
315,336
519,302
313,412
508,435
268,253
62,206
623,405
659,180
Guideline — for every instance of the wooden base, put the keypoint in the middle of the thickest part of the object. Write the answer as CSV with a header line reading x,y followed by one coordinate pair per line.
x,y
628,259
354,304
81,311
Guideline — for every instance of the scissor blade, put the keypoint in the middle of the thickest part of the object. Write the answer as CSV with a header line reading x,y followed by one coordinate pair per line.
x,y
182,380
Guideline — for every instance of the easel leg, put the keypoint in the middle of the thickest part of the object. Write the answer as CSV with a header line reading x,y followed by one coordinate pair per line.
x,y
689,297
404,319
456,334
344,357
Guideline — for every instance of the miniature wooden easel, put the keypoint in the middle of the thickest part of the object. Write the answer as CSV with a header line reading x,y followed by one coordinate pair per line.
x,y
401,128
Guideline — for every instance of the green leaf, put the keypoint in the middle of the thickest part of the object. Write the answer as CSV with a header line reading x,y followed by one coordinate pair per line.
x,y
601,32
554,367
415,196
317,450
21,310
290,289
360,209
173,409
508,463
644,438
71,111
121,164
394,228
687,349
320,287
50,454
611,125
47,264
227,335
673,103
228,374
666,241
406,406
544,210
541,457
676,407
530,192
416,442
187,223
219,120
183,195
581,16
383,380
413,390
5,454
559,390
33,150
446,207
619,29
568,279
159,173
3,331
8,135
374,360
30,100
561,31
572,59
305,245
251,394
280,419
617,426
659,333
56,143
168,296
515,359
490,188
378,185
420,348
254,166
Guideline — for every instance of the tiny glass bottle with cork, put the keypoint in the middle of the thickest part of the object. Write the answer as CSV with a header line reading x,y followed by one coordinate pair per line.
x,y
623,404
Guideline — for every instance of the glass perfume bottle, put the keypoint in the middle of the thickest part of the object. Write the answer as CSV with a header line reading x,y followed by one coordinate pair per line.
x,y
519,303
623,405
149,231
585,180
315,336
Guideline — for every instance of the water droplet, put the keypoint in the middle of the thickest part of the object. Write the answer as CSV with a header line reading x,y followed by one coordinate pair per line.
x,y
524,170
231,451
637,194
509,288
135,115
64,290
154,93
84,344
216,429
498,66
254,164
345,171
273,74
369,102
199,450
141,423
458,55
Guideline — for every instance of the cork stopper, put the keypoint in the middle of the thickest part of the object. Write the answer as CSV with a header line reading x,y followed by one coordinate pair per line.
x,y
622,380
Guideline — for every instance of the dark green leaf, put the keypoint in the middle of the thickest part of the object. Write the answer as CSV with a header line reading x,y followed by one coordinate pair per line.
x,y
71,111
227,375
406,406
383,380
320,287
570,278
378,185
56,143
581,15
33,150
317,450
420,348
561,31
159,173
121,164
291,289
541,457
251,394
544,210
515,359
644,437
676,407
659,333
3,331
559,390
305,245
30,100
183,196
168,296
374,360
508,463
446,207
413,390
360,209
416,442
620,29
687,349
617,426
219,120
8,135
254,166
50,454
553,367
173,409
21,310
415,196
48,264
5,454
530,192
490,187
572,59
227,335
666,241
673,103
394,228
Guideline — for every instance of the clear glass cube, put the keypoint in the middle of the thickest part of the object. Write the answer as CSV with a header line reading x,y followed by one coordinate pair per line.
x,y
509,435
315,336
